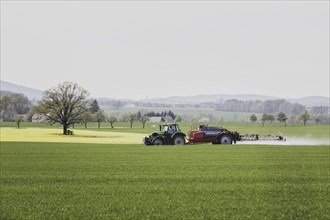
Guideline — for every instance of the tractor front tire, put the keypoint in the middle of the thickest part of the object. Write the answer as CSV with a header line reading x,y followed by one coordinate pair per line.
x,y
158,141
179,140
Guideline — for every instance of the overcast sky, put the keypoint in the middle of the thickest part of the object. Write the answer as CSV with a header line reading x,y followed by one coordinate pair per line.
x,y
134,49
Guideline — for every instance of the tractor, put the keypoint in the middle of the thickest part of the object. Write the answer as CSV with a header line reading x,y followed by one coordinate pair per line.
x,y
168,134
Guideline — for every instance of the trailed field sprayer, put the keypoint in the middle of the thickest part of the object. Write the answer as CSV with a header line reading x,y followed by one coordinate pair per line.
x,y
170,134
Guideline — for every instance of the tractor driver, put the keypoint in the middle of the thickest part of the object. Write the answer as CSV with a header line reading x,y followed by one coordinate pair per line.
x,y
171,128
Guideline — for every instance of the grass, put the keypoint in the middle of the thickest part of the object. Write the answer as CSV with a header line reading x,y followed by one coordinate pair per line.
x,y
101,181
107,174
80,136
45,132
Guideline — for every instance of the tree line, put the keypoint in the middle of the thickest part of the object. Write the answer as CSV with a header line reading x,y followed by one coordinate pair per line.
x,y
282,118
68,104
257,106
163,114
13,106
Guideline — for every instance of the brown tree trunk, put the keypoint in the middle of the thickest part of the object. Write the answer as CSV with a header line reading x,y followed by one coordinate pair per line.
x,y
65,129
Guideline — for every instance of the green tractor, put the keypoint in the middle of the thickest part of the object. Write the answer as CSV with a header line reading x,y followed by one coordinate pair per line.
x,y
168,134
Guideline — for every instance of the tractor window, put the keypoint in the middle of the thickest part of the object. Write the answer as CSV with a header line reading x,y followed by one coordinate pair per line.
x,y
172,128
165,128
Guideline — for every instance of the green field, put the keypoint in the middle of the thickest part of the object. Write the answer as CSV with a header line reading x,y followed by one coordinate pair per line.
x,y
95,175
320,131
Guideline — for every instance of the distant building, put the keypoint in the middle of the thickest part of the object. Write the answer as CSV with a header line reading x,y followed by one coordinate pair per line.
x,y
39,118
204,119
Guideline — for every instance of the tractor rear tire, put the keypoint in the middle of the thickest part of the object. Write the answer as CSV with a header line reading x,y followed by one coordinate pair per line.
x,y
179,140
225,139
158,141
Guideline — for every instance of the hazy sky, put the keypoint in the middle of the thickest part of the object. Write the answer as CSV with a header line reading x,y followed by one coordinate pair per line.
x,y
134,49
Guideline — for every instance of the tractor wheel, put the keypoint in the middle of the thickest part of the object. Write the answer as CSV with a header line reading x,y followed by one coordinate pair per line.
x,y
225,139
179,140
158,141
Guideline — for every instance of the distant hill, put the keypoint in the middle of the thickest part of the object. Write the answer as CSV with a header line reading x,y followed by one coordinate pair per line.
x,y
210,98
35,94
312,101
32,94
306,101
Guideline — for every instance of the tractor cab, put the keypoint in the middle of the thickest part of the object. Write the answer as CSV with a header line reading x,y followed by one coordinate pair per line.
x,y
169,129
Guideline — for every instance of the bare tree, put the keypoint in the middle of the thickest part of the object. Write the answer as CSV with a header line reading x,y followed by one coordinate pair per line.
x,y
112,119
99,116
267,117
281,117
143,120
264,118
87,117
19,119
178,119
271,118
317,118
131,118
305,117
65,104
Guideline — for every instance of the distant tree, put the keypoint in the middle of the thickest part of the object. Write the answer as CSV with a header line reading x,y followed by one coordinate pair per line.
x,y
317,118
131,119
267,117
264,118
7,109
271,118
171,114
94,106
281,117
268,106
297,109
123,117
14,104
143,120
33,110
65,104
138,115
169,119
87,117
112,119
292,119
19,119
21,103
253,118
305,117
99,117
178,119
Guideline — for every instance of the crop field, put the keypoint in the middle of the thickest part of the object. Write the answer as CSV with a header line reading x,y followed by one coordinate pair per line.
x,y
108,174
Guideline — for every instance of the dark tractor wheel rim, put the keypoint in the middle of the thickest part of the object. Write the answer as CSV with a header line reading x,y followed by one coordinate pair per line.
x,y
225,140
179,141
